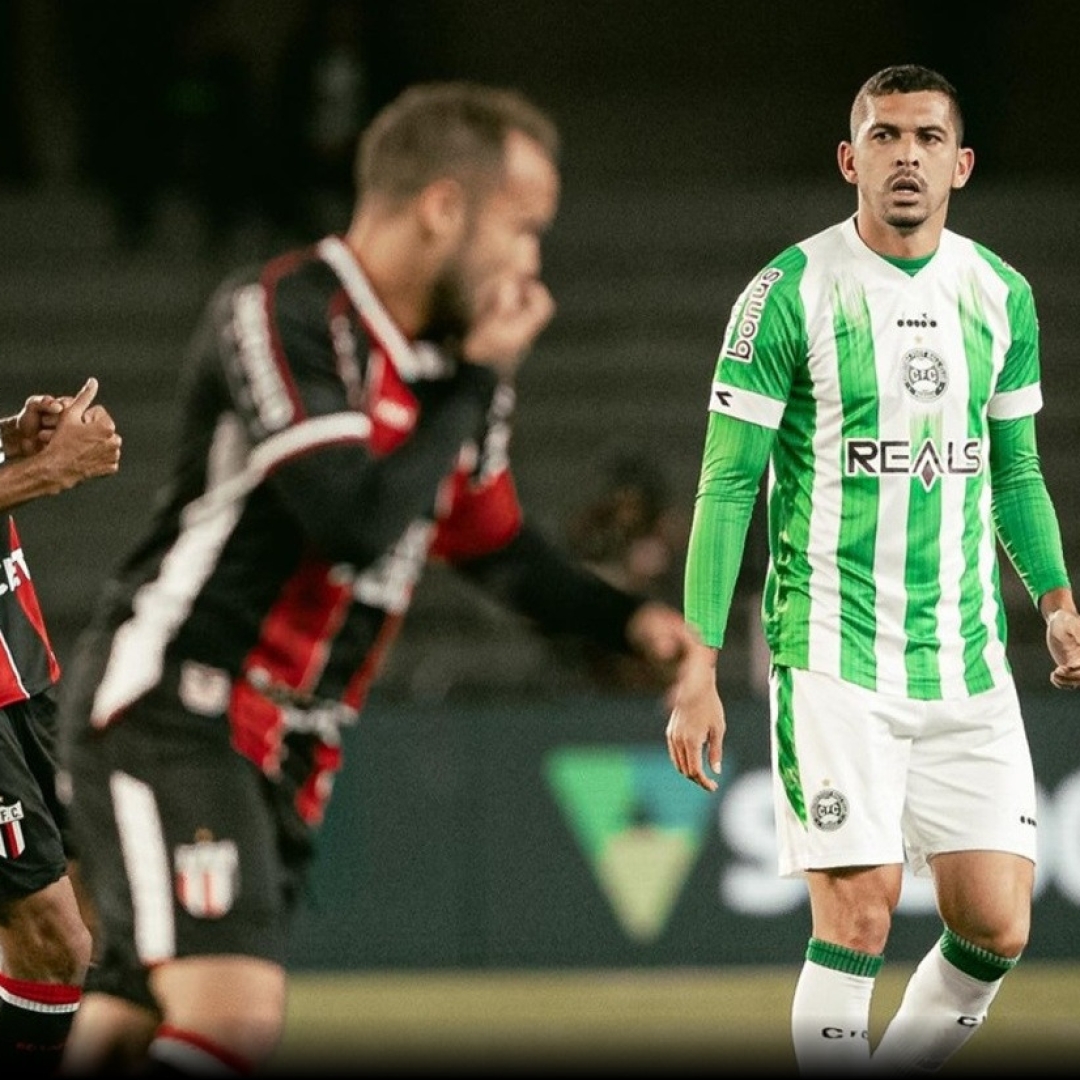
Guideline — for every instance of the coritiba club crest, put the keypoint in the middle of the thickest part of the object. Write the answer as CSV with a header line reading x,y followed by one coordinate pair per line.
x,y
925,377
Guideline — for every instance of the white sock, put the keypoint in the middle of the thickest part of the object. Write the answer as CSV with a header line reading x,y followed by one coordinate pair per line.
x,y
941,1009
830,1021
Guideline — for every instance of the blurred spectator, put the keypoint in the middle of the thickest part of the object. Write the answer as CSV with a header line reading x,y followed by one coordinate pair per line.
x,y
630,532
322,101
633,535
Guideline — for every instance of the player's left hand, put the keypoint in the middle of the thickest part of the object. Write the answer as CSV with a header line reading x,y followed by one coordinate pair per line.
x,y
696,726
1063,641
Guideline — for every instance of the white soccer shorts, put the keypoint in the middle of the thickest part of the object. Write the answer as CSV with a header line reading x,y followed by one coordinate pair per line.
x,y
867,779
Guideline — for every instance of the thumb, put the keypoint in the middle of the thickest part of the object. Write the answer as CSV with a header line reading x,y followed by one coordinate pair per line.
x,y
86,395
715,753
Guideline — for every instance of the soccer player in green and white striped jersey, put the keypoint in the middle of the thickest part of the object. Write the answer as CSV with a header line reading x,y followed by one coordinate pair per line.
x,y
884,374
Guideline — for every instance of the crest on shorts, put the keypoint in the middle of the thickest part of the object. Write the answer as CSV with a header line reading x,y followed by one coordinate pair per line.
x,y
925,377
207,872
828,809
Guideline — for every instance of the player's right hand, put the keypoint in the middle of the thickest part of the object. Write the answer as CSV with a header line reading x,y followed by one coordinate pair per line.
x,y
83,442
512,312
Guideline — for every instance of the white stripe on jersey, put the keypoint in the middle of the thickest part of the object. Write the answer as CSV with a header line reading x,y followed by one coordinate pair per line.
x,y
255,353
745,405
949,606
1012,404
824,584
319,431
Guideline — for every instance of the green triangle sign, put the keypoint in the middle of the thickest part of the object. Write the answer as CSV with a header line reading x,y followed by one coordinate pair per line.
x,y
640,824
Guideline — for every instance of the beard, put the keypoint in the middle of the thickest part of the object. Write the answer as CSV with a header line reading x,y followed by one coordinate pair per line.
x,y
906,220
450,315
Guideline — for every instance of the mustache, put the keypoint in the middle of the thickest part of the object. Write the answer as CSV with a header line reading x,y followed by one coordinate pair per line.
x,y
905,177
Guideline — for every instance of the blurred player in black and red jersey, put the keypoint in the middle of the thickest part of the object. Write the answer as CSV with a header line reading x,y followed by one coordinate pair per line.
x,y
346,415
49,446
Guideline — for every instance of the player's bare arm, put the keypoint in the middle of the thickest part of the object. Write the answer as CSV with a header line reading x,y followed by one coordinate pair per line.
x,y
695,729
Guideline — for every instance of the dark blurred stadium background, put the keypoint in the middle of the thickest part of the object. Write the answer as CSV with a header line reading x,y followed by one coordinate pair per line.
x,y
148,147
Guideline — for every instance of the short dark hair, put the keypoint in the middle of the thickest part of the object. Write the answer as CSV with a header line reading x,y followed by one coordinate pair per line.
x,y
906,79
437,129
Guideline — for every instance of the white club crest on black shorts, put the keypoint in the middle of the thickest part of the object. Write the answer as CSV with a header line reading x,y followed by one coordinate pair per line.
x,y
207,874
828,809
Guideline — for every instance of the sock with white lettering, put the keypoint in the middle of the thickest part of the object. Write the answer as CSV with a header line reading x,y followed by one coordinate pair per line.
x,y
830,1013
944,1004
35,1018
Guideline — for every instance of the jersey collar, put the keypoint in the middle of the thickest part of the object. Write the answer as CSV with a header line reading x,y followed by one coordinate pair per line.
x,y
414,362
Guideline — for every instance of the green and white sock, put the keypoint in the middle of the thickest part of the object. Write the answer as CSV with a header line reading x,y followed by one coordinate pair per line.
x,y
944,1004
830,1013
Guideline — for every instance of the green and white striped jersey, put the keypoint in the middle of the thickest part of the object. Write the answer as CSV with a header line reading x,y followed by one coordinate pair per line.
x,y
879,385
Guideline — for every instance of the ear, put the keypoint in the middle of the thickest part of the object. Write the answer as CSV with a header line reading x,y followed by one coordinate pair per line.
x,y
965,162
845,159
441,208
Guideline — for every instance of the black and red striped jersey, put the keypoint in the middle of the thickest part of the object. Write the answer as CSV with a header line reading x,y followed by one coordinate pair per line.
x,y
28,664
322,460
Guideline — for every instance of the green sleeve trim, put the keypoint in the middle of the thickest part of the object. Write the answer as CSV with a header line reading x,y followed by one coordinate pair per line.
x,y
1024,516
841,958
979,963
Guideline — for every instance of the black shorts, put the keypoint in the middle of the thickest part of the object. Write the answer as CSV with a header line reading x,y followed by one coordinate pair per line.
x,y
185,847
32,848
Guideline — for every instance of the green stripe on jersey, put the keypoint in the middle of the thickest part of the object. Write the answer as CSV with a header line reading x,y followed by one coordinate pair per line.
x,y
922,574
857,375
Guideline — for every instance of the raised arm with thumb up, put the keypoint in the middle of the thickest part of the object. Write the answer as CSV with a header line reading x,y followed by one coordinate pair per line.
x,y
54,443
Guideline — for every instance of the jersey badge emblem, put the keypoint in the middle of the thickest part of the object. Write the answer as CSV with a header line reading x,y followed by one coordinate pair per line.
x,y
925,377
828,809
206,876
12,838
